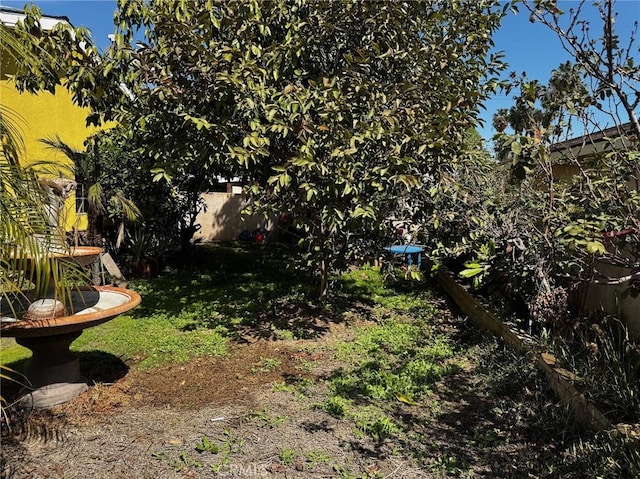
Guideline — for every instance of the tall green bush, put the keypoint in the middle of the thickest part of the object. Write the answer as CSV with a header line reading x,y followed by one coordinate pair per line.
x,y
533,235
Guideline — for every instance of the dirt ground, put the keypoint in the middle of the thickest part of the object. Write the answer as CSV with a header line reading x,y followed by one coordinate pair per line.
x,y
247,415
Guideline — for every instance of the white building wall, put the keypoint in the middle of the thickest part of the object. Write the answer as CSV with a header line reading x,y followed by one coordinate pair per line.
x,y
222,219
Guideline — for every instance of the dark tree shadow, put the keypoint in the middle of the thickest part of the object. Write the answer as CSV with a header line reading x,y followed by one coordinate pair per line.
x,y
251,290
95,367
101,367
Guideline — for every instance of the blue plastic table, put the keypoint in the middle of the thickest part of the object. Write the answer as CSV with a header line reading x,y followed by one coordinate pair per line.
x,y
409,250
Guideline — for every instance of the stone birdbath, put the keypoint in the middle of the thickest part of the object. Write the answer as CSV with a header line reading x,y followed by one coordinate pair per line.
x,y
47,327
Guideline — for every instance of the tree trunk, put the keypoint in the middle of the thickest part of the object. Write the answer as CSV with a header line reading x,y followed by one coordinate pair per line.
x,y
324,270
96,277
324,280
94,230
94,238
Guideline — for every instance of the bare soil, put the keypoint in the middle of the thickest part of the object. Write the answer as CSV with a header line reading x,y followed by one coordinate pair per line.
x,y
250,405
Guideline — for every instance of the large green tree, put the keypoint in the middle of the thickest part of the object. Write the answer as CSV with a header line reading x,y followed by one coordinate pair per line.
x,y
334,110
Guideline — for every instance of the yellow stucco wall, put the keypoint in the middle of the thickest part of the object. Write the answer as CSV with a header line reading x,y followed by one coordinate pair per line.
x,y
44,116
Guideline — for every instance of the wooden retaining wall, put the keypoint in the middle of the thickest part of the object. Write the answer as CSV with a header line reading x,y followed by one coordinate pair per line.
x,y
560,380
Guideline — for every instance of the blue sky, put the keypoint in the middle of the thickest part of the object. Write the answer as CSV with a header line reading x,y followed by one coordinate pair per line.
x,y
527,47
534,49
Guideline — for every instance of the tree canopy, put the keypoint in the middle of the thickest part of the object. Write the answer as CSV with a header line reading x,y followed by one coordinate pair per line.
x,y
333,110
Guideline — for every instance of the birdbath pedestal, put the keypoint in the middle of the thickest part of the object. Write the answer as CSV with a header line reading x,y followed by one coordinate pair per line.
x,y
53,371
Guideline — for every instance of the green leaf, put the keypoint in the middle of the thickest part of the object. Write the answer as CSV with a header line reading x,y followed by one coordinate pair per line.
x,y
594,247
469,273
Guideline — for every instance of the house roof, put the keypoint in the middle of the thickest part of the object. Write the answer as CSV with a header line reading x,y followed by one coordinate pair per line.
x,y
10,16
590,138
592,144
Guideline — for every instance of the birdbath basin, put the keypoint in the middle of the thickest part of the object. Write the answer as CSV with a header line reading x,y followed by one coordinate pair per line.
x,y
46,325
83,255
409,250
53,370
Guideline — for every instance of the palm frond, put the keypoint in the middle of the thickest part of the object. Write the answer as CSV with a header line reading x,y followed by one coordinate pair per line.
x,y
129,209
23,48
11,138
80,166
95,197
28,241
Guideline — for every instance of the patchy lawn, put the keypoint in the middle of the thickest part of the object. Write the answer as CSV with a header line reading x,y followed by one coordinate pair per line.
x,y
228,370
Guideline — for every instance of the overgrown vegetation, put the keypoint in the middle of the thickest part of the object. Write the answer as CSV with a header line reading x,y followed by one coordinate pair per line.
x,y
541,229
405,360
369,122
607,361
332,132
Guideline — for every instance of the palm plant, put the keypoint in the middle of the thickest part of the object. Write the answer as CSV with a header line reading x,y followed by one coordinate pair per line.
x,y
103,201
26,234
27,270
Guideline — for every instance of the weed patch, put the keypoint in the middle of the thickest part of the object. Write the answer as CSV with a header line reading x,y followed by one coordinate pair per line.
x,y
392,359
391,364
399,383
266,419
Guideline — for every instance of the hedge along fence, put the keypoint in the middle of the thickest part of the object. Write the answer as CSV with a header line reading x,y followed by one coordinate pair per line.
x,y
559,379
